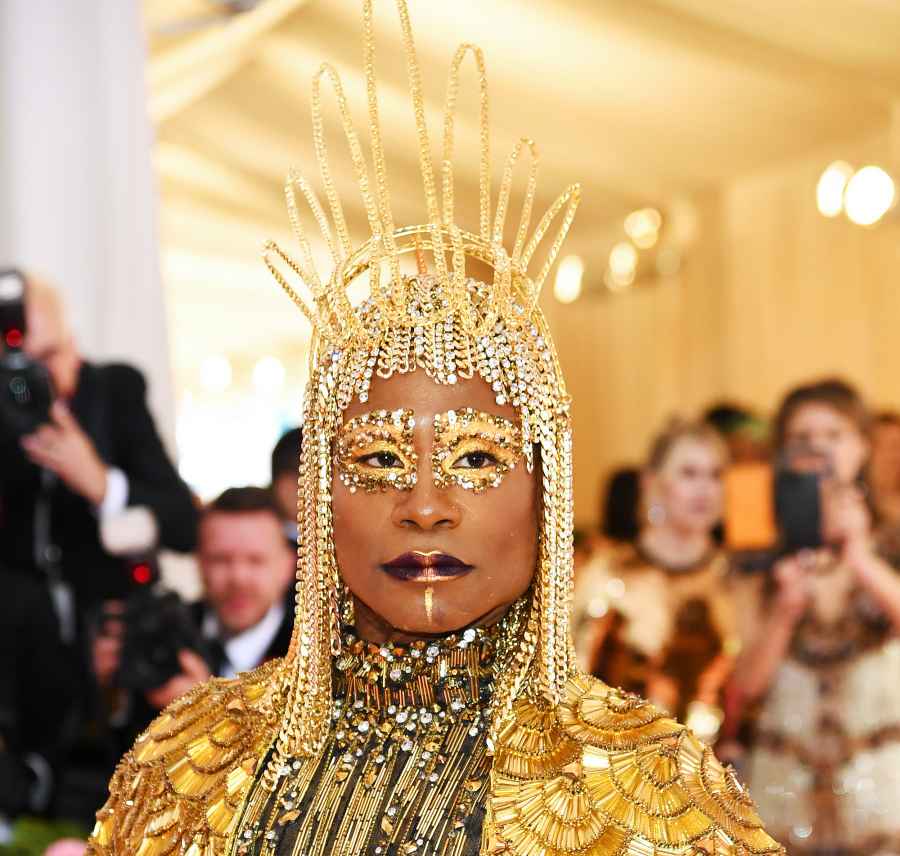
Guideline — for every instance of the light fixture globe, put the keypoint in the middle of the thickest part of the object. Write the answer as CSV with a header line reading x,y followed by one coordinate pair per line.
x,y
870,194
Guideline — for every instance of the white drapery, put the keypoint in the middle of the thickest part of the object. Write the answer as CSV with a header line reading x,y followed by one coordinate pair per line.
x,y
78,200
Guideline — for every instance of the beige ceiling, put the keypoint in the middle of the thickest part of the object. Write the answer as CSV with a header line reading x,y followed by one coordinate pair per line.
x,y
640,101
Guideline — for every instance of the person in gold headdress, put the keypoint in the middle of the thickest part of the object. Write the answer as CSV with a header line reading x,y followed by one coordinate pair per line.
x,y
430,702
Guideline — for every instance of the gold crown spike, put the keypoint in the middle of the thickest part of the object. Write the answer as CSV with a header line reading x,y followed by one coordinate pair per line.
x,y
327,306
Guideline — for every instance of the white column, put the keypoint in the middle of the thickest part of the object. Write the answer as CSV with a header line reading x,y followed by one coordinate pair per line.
x,y
77,192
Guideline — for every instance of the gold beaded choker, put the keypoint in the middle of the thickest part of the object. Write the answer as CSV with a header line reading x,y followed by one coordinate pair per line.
x,y
447,673
406,752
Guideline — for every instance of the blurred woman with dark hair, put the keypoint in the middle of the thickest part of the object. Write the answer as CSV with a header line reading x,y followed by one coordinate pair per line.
x,y
655,616
825,665
621,500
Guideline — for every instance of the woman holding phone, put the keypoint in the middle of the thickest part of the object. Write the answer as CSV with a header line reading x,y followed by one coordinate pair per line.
x,y
824,667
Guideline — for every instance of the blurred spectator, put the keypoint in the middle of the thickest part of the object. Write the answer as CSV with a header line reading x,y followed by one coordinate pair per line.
x,y
37,687
582,548
656,617
285,474
151,648
246,614
99,454
745,433
621,501
884,467
825,660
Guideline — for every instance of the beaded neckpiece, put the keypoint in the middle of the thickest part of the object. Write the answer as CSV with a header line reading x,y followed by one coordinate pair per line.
x,y
406,752
444,672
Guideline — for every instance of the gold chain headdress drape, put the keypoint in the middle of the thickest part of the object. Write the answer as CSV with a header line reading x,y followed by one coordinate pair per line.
x,y
443,322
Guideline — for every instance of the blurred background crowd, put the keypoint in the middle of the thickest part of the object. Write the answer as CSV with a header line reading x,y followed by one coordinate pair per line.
x,y
726,318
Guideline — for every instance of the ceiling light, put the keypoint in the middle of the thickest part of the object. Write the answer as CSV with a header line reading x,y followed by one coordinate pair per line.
x,y
618,282
831,186
643,227
869,195
623,259
567,287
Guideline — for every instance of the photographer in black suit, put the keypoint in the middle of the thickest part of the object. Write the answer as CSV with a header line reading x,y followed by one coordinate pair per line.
x,y
244,618
37,690
98,454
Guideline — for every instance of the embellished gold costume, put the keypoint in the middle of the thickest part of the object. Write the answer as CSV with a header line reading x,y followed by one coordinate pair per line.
x,y
489,742
635,619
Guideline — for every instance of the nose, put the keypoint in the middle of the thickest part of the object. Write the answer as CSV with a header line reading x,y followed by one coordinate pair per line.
x,y
241,574
426,507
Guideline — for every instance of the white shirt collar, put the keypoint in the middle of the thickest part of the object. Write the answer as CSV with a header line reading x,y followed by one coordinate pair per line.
x,y
246,650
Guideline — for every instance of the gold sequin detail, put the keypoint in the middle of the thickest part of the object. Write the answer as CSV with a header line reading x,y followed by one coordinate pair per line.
x,y
605,773
375,451
468,433
180,788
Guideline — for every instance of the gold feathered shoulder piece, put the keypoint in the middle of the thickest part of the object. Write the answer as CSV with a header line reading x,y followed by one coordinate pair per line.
x,y
607,773
180,788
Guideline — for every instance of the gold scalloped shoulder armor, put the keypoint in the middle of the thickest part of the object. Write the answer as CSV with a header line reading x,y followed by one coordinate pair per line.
x,y
607,773
179,790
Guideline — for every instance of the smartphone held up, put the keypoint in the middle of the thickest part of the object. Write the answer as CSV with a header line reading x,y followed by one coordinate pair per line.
x,y
778,509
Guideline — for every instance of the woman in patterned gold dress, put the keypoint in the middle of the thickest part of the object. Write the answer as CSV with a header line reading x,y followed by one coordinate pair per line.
x,y
657,617
429,703
824,668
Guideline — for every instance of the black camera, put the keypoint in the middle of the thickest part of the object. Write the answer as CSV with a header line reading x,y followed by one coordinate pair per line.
x,y
157,625
26,390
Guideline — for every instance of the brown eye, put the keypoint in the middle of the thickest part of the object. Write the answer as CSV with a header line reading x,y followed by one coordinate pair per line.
x,y
382,461
476,461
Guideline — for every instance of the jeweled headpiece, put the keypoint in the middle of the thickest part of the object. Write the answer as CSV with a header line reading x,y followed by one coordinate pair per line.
x,y
439,320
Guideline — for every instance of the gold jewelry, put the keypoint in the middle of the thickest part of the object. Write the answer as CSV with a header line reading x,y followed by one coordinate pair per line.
x,y
381,433
444,323
459,434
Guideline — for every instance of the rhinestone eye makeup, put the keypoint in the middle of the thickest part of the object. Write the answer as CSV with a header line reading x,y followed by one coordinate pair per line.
x,y
474,450
375,451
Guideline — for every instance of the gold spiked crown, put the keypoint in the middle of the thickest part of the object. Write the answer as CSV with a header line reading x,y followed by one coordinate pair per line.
x,y
326,303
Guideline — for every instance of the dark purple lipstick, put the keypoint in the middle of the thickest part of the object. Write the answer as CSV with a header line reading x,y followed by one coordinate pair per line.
x,y
431,567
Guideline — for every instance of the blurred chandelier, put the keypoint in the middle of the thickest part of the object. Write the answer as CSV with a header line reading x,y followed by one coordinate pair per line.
x,y
864,195
639,254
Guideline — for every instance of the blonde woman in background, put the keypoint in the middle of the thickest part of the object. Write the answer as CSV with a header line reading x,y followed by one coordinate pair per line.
x,y
824,668
656,616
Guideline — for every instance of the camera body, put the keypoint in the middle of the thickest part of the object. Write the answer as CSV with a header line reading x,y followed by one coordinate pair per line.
x,y
157,625
26,390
